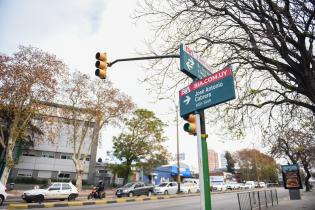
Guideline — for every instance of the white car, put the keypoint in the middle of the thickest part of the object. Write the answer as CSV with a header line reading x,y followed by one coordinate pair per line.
x,y
262,184
3,194
242,186
166,188
219,186
233,186
249,185
189,187
54,191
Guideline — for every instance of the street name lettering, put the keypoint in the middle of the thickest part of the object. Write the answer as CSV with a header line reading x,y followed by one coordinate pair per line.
x,y
209,91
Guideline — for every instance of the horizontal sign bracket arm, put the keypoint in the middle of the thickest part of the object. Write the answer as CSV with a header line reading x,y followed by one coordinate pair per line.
x,y
142,58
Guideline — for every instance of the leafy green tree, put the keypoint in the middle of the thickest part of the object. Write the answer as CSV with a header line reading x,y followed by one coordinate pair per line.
x,y
141,140
119,170
230,162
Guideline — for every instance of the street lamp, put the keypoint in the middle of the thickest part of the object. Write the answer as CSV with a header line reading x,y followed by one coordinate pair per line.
x,y
177,144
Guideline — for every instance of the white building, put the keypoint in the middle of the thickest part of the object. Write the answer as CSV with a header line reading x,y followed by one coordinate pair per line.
x,y
50,156
223,161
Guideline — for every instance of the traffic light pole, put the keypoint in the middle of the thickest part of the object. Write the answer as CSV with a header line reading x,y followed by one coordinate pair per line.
x,y
204,182
142,58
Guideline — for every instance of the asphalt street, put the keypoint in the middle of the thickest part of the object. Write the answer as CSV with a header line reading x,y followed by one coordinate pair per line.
x,y
224,201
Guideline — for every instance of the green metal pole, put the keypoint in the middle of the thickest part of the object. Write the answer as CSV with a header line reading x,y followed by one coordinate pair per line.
x,y
207,194
204,184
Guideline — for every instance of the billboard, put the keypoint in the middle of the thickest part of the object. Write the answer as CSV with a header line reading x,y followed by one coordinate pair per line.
x,y
291,176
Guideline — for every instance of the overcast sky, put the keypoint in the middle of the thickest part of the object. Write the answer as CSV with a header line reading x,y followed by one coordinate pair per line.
x,y
74,30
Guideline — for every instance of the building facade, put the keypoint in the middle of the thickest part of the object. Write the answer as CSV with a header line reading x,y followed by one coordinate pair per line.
x,y
223,161
213,160
50,156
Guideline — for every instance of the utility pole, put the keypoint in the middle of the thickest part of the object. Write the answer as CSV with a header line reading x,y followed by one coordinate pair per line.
x,y
177,141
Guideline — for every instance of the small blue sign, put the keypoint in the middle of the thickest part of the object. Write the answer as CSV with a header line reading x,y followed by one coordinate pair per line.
x,y
192,64
209,91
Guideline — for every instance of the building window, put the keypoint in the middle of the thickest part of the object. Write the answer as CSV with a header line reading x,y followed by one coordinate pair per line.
x,y
28,154
48,155
102,171
86,158
64,176
66,156
25,173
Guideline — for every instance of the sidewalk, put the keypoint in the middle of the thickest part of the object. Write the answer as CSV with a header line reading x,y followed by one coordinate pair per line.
x,y
306,203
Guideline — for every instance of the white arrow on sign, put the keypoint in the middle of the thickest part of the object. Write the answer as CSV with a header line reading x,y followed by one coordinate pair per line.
x,y
190,63
187,100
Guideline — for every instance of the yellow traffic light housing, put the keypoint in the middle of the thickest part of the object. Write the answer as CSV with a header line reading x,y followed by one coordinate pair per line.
x,y
190,126
101,65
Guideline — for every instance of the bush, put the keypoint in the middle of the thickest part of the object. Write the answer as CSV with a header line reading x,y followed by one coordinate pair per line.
x,y
113,185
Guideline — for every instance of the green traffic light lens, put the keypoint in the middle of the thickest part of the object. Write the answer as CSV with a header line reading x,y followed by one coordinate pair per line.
x,y
187,127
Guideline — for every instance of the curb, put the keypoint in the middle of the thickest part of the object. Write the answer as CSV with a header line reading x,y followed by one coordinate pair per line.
x,y
94,202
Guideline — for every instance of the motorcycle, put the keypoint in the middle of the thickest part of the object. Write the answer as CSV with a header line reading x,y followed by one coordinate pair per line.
x,y
96,195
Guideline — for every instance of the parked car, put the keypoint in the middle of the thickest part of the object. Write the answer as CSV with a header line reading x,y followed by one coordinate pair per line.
x,y
134,188
249,185
256,184
3,194
190,187
53,191
166,188
233,186
262,184
242,186
191,180
219,186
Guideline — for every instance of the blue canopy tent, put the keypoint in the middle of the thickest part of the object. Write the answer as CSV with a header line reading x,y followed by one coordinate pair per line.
x,y
169,173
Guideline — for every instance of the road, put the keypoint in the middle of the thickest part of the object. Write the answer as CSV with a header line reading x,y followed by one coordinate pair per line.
x,y
224,201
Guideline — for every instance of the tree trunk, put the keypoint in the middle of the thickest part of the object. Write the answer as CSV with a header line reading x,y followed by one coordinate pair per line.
x,y
78,183
79,173
308,176
9,162
5,175
128,165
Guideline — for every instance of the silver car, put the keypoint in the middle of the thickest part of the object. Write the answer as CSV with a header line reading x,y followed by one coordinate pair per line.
x,y
166,188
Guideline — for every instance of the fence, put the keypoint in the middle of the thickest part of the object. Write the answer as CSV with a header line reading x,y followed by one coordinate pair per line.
x,y
257,199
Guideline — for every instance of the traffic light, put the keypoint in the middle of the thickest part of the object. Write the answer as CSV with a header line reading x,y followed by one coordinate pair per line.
x,y
101,65
190,126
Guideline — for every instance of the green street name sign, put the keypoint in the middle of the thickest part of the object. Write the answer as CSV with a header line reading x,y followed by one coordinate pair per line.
x,y
192,64
209,91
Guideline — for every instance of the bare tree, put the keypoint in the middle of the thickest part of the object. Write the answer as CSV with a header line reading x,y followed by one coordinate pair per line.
x,y
28,76
91,105
292,138
269,43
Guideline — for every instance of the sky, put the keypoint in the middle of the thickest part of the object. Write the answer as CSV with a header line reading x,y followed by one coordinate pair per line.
x,y
74,30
